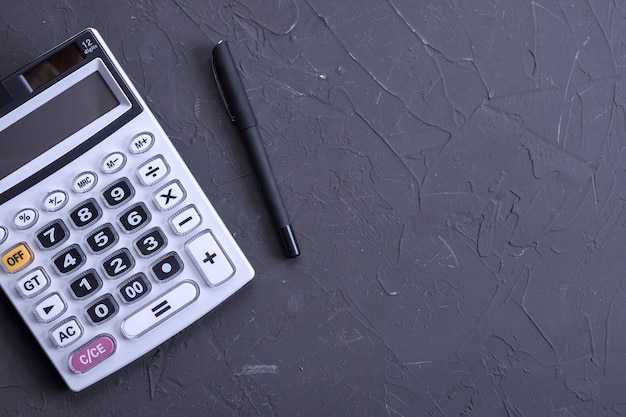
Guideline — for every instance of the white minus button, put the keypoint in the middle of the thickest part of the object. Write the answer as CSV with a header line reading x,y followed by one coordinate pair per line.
x,y
185,220
157,311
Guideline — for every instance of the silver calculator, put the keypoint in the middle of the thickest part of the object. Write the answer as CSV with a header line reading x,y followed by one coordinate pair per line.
x,y
108,245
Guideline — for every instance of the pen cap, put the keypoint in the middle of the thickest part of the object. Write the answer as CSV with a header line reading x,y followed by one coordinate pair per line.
x,y
231,87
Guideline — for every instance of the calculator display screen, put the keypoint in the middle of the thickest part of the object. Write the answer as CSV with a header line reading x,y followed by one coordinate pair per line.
x,y
54,121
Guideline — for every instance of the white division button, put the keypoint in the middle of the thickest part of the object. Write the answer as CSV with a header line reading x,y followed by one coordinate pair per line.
x,y
141,143
113,163
55,200
153,170
84,182
209,258
169,196
33,283
50,308
25,218
66,333
185,220
160,309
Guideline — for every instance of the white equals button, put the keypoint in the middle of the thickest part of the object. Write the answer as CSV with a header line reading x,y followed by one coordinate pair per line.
x,y
154,313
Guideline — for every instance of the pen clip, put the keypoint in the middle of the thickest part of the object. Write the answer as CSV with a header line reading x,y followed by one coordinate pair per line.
x,y
221,91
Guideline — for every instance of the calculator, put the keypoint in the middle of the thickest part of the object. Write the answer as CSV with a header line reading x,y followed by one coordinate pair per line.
x,y
108,245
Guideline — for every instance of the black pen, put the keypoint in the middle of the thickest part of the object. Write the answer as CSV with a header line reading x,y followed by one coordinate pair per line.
x,y
240,111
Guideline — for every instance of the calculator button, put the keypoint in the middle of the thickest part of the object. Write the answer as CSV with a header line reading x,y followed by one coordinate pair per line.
x,y
167,267
85,284
118,193
50,308
209,258
160,309
16,258
52,235
33,283
103,238
153,170
84,182
141,143
25,218
185,220
102,309
118,264
85,213
55,200
151,242
134,218
66,333
69,259
4,233
169,196
112,163
92,353
134,288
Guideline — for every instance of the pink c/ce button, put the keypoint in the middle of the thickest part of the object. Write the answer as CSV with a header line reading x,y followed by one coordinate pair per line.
x,y
92,353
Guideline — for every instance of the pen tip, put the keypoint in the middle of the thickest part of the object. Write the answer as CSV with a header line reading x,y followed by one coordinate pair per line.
x,y
289,241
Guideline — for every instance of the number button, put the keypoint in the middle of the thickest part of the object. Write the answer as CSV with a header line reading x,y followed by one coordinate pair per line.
x,y
134,218
118,264
102,310
167,267
85,285
103,238
134,288
52,235
69,259
151,242
118,193
85,213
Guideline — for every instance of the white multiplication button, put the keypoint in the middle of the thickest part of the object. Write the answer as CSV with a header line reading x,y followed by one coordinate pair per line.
x,y
209,258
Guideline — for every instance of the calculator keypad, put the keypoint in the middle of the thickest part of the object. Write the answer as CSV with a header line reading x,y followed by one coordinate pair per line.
x,y
100,272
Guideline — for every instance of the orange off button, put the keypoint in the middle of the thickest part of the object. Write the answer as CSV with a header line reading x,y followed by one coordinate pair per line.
x,y
17,258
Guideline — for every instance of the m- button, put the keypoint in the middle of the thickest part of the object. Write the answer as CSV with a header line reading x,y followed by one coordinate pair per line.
x,y
17,258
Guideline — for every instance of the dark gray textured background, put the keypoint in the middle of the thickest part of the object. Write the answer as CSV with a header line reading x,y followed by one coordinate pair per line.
x,y
455,172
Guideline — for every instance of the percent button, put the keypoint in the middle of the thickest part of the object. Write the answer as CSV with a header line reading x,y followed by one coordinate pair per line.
x,y
25,218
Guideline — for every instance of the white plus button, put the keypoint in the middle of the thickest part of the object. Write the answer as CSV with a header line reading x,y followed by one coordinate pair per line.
x,y
209,258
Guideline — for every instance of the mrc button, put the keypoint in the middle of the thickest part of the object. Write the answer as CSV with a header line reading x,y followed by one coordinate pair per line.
x,y
16,258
